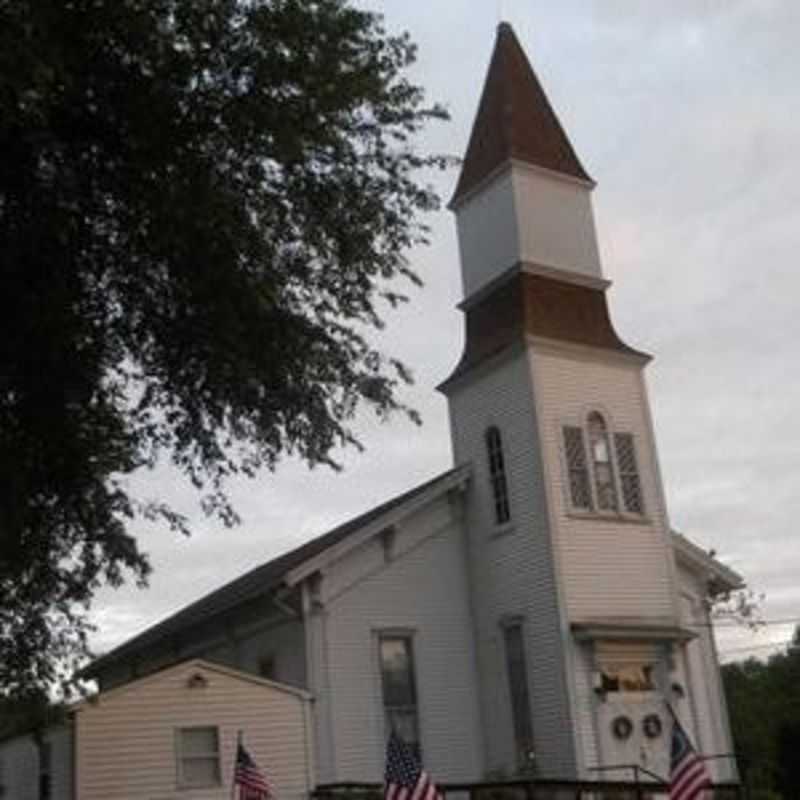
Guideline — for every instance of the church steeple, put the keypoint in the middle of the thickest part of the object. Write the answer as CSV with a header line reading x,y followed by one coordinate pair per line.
x,y
523,199
514,121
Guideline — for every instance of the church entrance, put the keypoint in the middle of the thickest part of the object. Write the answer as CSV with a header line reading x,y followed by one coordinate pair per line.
x,y
633,721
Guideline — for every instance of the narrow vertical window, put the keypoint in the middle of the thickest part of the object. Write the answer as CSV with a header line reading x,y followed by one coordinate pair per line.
x,y
518,692
45,771
579,492
399,689
628,473
601,462
497,476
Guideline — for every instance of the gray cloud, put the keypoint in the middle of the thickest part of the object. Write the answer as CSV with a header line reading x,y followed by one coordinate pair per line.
x,y
687,114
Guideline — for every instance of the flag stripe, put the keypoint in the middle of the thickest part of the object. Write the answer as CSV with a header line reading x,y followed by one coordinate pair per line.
x,y
253,784
689,776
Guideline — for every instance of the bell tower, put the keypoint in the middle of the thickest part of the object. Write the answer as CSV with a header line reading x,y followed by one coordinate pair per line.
x,y
570,552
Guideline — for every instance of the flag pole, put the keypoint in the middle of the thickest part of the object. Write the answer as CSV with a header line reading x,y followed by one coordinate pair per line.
x,y
235,759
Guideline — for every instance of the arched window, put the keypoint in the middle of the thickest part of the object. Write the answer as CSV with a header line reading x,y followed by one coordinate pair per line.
x,y
597,477
601,463
497,475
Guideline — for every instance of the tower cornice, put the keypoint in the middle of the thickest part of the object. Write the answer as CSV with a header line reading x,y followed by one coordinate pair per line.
x,y
529,307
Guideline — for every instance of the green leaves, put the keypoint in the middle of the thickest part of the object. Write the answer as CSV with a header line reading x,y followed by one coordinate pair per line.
x,y
203,207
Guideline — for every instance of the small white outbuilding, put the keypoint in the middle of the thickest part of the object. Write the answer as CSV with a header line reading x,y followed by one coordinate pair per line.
x,y
173,735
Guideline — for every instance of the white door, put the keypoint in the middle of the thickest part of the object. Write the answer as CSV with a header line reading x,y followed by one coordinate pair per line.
x,y
634,729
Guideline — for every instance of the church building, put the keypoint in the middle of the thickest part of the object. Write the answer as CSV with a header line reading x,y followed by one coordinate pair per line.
x,y
531,611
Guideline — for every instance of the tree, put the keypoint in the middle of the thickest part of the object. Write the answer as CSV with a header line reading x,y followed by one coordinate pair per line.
x,y
204,208
764,703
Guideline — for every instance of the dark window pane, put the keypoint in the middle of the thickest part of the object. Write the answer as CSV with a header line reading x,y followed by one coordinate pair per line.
x,y
601,459
518,690
399,691
398,679
497,476
579,492
629,473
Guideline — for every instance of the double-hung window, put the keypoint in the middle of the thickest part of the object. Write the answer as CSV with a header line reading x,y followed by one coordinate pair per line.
x,y
602,471
399,688
198,757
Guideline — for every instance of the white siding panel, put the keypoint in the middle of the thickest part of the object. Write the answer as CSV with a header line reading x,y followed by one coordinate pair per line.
x,y
422,590
556,222
611,567
126,740
585,705
488,235
512,570
703,678
283,642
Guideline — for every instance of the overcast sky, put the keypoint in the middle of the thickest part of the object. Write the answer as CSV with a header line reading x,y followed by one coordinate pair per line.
x,y
687,114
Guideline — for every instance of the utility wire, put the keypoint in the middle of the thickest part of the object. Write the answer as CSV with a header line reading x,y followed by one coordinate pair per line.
x,y
769,646
732,623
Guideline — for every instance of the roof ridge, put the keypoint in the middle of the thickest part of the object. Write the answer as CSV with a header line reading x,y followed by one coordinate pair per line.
x,y
259,580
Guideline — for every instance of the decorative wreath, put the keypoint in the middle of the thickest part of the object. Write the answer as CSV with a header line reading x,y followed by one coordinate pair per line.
x,y
652,726
622,727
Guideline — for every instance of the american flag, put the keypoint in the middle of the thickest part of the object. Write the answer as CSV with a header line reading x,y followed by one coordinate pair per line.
x,y
405,778
251,782
688,776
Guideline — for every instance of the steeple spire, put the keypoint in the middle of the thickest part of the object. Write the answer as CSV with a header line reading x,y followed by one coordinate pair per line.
x,y
514,121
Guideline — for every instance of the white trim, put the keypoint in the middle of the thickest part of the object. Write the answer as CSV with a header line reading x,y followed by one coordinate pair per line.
x,y
549,270
377,526
587,352
566,653
551,173
181,783
698,561
508,165
536,268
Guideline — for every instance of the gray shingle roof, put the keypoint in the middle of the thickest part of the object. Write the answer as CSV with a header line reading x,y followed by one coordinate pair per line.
x,y
258,581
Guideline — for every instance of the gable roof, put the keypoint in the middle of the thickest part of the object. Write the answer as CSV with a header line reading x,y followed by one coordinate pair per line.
x,y
201,666
694,557
269,576
514,120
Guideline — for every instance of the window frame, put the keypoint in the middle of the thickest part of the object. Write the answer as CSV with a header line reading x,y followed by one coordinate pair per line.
x,y
569,469
181,757
521,718
622,510
635,474
498,476
407,637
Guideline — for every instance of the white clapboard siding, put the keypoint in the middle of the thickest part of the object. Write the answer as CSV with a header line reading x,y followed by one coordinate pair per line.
x,y
419,586
610,567
512,569
586,702
704,682
126,738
